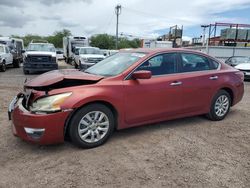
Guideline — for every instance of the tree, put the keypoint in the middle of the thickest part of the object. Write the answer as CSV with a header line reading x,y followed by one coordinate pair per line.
x,y
57,37
103,41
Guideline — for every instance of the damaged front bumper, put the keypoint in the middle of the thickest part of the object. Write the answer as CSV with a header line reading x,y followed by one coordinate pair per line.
x,y
42,129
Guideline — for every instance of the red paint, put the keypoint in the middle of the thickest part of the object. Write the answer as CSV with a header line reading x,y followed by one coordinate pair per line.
x,y
137,101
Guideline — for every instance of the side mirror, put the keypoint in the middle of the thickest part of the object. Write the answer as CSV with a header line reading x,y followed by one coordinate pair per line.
x,y
23,51
142,74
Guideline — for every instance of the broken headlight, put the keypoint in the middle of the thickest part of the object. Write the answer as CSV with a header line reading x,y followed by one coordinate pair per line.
x,y
49,104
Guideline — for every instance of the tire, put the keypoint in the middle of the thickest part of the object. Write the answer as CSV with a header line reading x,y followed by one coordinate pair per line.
x,y
102,121
75,64
16,63
3,67
25,72
220,106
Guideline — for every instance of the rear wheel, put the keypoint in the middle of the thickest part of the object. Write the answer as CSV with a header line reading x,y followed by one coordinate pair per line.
x,y
91,126
220,106
3,67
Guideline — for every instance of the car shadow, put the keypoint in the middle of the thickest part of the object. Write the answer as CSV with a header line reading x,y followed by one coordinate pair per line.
x,y
124,133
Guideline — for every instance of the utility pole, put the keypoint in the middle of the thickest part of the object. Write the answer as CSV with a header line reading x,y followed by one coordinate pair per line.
x,y
204,34
117,12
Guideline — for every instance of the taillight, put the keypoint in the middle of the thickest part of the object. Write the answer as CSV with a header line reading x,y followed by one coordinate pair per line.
x,y
240,75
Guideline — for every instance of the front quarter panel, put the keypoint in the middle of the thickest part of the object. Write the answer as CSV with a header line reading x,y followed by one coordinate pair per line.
x,y
110,92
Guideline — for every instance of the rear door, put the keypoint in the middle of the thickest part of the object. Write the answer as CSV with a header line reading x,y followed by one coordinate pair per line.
x,y
199,77
156,98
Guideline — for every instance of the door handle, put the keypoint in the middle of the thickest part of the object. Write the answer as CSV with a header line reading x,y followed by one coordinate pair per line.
x,y
213,77
176,83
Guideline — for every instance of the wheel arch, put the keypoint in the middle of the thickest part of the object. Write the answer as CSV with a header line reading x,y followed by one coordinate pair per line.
x,y
230,92
105,103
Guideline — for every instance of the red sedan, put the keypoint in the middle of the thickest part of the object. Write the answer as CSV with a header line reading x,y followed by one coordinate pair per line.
x,y
130,88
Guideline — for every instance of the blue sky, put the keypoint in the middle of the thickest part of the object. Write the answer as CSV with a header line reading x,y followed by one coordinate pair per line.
x,y
240,16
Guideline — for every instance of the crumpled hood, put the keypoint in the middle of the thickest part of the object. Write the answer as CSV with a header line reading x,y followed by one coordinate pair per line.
x,y
53,54
60,79
243,66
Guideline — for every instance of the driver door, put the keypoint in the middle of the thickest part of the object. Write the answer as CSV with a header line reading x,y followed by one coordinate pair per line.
x,y
157,98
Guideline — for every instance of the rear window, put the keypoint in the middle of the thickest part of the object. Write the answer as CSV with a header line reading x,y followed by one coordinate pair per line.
x,y
194,62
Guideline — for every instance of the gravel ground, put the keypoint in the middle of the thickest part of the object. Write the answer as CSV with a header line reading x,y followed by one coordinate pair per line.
x,y
190,152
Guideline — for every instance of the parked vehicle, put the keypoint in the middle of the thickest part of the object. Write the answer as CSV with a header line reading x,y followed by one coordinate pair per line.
x,y
15,47
128,89
59,54
236,60
39,57
86,57
70,44
245,68
6,58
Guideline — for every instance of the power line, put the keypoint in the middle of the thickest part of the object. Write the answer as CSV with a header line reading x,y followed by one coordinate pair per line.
x,y
109,23
143,13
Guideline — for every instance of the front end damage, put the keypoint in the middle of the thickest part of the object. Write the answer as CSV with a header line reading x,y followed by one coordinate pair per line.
x,y
38,114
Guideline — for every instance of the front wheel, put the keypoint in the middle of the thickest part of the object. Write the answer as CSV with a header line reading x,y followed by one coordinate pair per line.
x,y
3,67
220,106
91,126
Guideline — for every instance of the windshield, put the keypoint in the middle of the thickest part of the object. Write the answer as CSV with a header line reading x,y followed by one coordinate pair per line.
x,y
41,47
89,51
115,64
240,60
1,49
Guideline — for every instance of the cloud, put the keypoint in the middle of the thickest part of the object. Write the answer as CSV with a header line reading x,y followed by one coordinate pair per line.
x,y
14,20
87,17
51,2
51,17
67,23
11,3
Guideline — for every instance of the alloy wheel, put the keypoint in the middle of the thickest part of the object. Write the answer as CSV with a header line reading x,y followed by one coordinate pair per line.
x,y
221,105
93,126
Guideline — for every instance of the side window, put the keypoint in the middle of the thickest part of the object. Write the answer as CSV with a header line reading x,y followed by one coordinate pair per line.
x,y
161,64
193,62
214,64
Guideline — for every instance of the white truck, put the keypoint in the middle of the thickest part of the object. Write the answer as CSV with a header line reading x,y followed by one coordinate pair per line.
x,y
85,57
71,44
6,58
39,56
15,47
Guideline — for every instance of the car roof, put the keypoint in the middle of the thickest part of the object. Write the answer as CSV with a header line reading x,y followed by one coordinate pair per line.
x,y
159,50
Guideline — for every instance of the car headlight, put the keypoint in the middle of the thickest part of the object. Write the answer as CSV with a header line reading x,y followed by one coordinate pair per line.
x,y
49,104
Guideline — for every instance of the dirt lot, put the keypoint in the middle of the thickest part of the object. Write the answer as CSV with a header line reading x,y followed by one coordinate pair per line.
x,y
191,152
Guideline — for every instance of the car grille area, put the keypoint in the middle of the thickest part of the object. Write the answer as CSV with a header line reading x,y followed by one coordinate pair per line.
x,y
39,58
94,60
